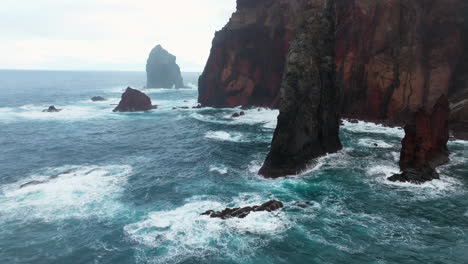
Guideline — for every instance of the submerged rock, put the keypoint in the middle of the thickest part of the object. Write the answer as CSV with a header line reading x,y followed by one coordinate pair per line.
x,y
424,146
134,101
308,123
52,109
162,70
98,99
242,212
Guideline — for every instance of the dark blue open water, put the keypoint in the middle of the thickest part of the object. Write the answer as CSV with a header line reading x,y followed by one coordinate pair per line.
x,y
139,181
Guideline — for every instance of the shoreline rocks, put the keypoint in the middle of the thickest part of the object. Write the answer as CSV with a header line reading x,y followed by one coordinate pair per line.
x,y
162,70
134,101
51,109
242,212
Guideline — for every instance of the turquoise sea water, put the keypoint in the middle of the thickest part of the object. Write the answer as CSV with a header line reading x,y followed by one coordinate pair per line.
x,y
135,184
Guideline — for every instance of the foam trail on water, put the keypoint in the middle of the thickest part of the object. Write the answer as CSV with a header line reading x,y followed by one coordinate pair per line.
x,y
366,127
66,192
219,169
368,142
224,136
184,234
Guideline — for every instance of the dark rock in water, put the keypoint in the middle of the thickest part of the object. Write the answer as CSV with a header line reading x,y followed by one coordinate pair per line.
x,y
239,212
235,115
376,145
98,99
134,101
162,70
426,137
353,121
52,109
197,107
31,183
308,123
424,146
303,204
416,175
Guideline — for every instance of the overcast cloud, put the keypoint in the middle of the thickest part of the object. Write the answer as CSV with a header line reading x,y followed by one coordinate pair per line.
x,y
107,34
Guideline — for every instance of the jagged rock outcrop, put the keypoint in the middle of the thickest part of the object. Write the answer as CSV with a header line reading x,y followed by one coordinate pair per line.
x,y
51,109
242,212
134,101
162,70
424,146
308,123
392,57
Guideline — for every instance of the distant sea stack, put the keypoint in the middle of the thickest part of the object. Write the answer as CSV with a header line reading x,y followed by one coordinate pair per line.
x,y
308,123
425,144
134,101
162,70
392,57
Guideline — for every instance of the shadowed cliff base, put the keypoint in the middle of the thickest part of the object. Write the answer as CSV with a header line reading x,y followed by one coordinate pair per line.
x,y
308,123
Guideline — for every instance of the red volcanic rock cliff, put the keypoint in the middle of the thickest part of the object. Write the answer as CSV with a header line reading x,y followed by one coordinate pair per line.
x,y
426,137
247,58
392,56
425,144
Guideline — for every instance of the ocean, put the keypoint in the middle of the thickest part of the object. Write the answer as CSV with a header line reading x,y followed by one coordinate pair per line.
x,y
132,186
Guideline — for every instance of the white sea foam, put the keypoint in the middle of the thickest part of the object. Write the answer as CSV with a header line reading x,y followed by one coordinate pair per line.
x,y
368,142
219,169
77,192
367,127
68,113
445,184
266,117
224,136
184,233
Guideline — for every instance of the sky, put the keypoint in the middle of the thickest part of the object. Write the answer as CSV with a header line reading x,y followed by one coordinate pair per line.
x,y
107,34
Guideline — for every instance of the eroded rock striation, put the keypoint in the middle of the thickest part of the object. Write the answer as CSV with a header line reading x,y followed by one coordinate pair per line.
x,y
424,146
134,101
242,212
247,57
308,123
162,70
392,57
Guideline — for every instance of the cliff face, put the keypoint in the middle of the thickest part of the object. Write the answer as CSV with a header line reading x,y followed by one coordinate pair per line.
x,y
396,56
162,70
392,57
247,58
308,123
424,146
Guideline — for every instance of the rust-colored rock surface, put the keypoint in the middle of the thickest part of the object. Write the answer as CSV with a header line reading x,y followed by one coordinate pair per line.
x,y
393,57
424,146
426,137
247,58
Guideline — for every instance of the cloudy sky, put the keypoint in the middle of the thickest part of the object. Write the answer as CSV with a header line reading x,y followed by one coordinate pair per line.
x,y
107,34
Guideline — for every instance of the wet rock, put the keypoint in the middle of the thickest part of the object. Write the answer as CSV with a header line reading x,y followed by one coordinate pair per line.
x,y
308,123
134,101
416,175
162,70
197,106
52,109
239,212
98,99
